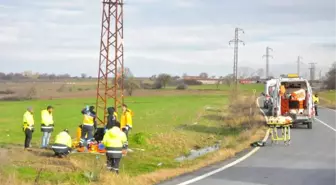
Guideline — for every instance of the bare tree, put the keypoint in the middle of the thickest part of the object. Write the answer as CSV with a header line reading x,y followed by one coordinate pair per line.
x,y
83,75
260,72
219,81
331,77
204,75
163,79
129,81
229,79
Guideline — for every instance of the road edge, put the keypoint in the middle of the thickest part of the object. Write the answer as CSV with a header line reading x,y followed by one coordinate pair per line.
x,y
234,162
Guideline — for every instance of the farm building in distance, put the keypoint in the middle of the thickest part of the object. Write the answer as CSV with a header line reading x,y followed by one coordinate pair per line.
x,y
203,80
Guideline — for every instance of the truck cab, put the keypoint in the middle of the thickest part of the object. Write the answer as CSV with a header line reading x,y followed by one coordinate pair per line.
x,y
293,97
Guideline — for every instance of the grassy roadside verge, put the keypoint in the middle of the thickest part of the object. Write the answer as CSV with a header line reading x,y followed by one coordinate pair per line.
x,y
166,129
328,99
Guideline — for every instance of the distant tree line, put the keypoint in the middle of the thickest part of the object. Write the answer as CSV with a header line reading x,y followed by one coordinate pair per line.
x,y
41,76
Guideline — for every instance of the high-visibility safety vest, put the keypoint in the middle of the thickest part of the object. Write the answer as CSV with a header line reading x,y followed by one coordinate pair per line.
x,y
282,90
28,121
47,122
115,115
63,138
126,119
315,99
88,119
114,139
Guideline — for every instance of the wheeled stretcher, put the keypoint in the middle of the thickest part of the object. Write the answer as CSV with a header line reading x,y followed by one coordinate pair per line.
x,y
282,123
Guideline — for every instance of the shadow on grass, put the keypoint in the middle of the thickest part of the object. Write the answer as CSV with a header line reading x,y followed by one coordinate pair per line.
x,y
214,110
226,131
214,117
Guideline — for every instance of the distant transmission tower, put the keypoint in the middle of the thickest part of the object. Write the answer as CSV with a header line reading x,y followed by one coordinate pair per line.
x,y
111,58
236,42
312,71
298,64
267,56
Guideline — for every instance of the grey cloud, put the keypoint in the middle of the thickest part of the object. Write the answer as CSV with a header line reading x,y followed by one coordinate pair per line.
x,y
329,46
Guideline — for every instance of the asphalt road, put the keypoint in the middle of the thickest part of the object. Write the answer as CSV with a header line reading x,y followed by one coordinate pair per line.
x,y
309,160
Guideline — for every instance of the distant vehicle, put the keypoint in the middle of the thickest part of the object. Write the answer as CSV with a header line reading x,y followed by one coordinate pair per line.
x,y
293,97
269,88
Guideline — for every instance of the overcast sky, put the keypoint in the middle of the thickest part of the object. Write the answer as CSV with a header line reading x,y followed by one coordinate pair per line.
x,y
173,36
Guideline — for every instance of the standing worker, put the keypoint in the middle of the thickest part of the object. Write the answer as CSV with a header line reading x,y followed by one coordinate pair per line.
x,y
63,144
89,125
316,101
47,125
28,127
111,118
114,142
126,120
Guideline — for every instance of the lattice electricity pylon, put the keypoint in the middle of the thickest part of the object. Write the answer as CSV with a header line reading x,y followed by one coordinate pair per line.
x,y
267,56
236,42
111,58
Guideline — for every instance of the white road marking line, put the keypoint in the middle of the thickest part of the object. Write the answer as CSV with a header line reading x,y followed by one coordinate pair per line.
x,y
326,124
232,163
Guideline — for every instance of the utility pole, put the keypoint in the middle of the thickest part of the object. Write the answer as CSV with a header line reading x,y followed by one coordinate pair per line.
x,y
111,58
236,42
298,65
312,71
320,75
268,49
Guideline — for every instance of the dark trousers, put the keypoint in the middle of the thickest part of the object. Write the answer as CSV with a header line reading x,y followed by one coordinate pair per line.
x,y
316,113
61,149
113,163
126,131
86,130
28,138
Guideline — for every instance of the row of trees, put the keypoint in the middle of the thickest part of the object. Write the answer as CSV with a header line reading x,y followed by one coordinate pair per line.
x,y
43,76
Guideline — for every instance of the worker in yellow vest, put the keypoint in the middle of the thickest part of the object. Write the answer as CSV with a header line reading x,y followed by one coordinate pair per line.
x,y
316,101
63,144
114,141
28,127
47,125
126,121
89,125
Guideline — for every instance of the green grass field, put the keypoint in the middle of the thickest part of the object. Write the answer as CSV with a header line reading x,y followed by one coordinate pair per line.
x,y
164,126
329,95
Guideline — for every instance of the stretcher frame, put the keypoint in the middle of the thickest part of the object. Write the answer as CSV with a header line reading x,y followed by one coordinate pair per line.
x,y
285,134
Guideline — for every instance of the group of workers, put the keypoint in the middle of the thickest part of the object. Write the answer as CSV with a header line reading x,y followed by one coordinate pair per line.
x,y
114,140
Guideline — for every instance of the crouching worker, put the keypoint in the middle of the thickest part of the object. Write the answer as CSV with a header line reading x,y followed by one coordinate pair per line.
x,y
63,144
114,141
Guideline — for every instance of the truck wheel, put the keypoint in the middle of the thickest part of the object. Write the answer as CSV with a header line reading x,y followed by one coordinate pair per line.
x,y
310,125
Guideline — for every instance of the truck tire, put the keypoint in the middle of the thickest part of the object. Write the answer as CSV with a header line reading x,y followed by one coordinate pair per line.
x,y
310,125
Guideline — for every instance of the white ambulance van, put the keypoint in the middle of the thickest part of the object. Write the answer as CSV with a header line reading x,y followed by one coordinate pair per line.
x,y
293,97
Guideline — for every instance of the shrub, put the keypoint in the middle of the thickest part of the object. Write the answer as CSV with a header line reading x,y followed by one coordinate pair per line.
x,y
14,98
140,138
182,87
157,85
7,91
146,86
31,94
61,88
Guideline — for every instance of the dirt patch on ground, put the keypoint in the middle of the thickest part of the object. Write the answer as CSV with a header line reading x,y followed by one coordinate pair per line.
x,y
37,158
